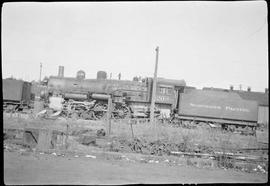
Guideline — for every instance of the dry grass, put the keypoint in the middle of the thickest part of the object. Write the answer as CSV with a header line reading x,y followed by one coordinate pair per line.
x,y
191,137
198,136
58,124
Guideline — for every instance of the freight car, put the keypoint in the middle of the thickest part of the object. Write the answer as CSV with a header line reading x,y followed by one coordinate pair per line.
x,y
87,98
227,109
17,95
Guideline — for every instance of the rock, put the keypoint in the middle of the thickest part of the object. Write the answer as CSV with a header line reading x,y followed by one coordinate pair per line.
x,y
87,140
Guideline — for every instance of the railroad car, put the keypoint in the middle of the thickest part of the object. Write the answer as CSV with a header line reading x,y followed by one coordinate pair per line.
x,y
16,94
226,108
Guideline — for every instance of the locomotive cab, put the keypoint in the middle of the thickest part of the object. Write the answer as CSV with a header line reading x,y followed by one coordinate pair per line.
x,y
167,94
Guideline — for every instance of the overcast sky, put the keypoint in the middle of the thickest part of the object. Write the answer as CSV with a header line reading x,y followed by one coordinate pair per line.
x,y
214,44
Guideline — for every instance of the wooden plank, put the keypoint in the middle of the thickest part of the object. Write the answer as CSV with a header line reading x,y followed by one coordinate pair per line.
x,y
44,140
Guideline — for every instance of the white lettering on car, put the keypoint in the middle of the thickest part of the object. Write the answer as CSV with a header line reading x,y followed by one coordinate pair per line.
x,y
236,109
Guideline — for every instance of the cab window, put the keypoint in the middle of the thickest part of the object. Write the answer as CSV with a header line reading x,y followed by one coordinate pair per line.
x,y
165,90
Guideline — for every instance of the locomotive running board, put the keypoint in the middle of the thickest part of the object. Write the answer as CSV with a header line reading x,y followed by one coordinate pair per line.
x,y
218,121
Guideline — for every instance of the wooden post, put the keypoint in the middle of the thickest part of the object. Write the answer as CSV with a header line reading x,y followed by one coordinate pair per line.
x,y
109,113
44,139
131,128
66,139
153,100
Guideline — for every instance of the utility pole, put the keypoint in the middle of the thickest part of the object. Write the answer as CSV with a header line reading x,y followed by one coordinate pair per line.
x,y
40,69
109,114
152,118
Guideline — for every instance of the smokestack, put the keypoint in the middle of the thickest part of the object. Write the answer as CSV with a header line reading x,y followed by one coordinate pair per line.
x,y
61,71
249,89
101,75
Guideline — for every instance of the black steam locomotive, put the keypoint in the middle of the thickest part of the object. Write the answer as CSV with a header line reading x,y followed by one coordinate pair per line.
x,y
87,98
78,97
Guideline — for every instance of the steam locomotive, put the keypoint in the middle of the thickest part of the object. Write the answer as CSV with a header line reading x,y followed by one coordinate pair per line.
x,y
87,98
78,97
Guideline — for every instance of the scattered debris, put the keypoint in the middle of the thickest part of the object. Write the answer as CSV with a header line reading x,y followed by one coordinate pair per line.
x,y
143,160
261,169
90,156
213,125
41,113
101,132
56,113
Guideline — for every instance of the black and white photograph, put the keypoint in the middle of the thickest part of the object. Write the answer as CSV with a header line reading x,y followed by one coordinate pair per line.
x,y
123,92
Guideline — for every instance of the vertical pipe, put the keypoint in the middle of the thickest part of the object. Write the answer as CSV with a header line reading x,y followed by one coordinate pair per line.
x,y
153,100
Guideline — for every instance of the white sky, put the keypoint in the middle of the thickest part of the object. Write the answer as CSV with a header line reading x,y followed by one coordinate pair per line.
x,y
214,44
